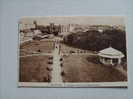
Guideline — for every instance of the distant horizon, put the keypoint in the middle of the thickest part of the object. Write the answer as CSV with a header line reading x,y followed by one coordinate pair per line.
x,y
82,20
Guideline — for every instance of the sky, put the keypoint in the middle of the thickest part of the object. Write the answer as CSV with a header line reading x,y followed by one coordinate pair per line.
x,y
89,20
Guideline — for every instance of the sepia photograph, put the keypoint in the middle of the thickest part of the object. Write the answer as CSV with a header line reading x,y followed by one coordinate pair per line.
x,y
72,51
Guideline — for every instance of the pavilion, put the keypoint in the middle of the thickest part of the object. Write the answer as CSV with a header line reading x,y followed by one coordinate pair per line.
x,y
110,56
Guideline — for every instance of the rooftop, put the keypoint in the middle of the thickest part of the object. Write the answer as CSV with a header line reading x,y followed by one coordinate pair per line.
x,y
111,53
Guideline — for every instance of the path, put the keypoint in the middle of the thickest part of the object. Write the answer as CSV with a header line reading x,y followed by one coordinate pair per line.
x,y
56,72
40,54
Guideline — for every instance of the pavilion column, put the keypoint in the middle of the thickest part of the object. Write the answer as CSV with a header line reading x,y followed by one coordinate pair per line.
x,y
119,61
111,61
103,60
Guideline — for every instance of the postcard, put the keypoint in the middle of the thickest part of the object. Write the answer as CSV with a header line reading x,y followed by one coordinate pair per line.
x,y
72,51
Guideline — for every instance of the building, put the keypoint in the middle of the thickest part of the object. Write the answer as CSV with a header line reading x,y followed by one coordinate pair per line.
x,y
65,28
110,56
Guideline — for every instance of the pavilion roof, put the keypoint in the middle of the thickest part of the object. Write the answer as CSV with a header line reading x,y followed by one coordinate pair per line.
x,y
111,53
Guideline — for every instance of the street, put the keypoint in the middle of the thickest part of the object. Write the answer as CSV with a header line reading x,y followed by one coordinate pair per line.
x,y
56,72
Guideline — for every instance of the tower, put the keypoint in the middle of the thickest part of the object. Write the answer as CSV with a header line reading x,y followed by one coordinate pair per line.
x,y
35,23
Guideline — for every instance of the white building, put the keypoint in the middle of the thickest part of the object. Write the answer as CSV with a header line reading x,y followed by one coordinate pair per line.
x,y
66,28
36,32
110,56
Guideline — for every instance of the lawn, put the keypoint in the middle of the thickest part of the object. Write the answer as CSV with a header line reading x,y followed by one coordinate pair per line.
x,y
69,49
34,69
84,68
35,46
